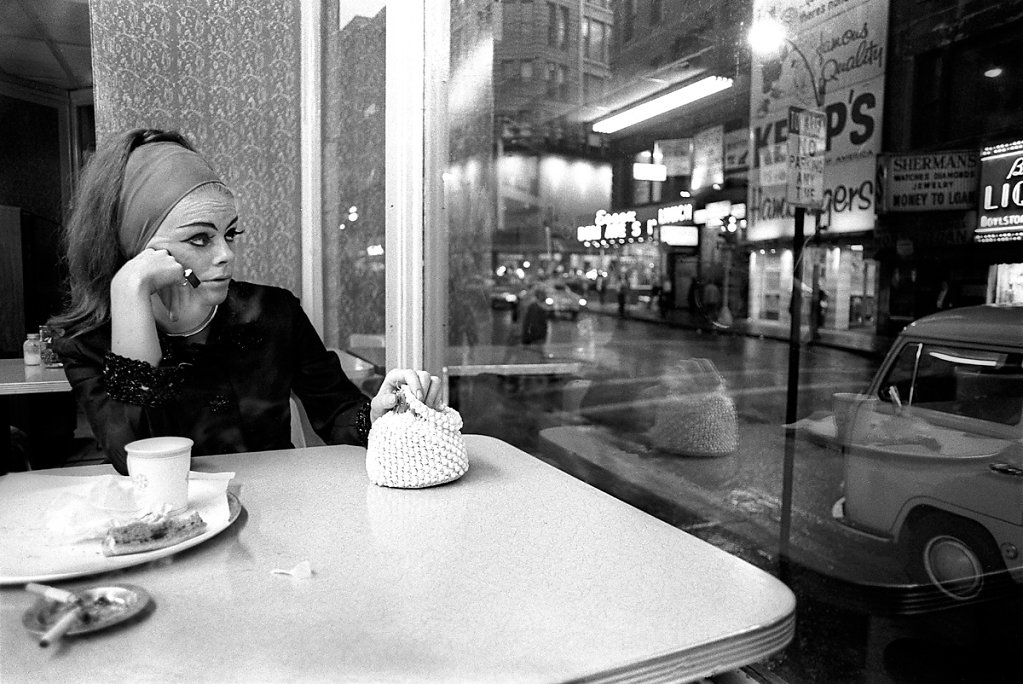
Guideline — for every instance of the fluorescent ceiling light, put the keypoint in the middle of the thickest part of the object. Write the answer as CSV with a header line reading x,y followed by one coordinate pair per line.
x,y
662,104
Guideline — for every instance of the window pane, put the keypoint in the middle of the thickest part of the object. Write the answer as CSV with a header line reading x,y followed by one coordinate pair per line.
x,y
631,290
353,181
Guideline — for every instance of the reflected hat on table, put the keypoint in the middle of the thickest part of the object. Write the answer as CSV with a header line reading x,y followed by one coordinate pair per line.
x,y
157,176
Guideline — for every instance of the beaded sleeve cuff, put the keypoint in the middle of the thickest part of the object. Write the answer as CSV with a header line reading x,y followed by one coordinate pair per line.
x,y
363,423
136,382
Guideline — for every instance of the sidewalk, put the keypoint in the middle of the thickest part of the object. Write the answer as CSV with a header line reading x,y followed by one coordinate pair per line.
x,y
848,340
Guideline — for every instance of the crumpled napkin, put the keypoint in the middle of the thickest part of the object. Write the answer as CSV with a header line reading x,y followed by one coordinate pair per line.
x,y
87,510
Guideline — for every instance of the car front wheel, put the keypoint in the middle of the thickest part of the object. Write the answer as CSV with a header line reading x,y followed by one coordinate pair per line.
x,y
956,555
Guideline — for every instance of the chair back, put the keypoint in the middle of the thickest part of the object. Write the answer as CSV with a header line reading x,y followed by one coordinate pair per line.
x,y
297,431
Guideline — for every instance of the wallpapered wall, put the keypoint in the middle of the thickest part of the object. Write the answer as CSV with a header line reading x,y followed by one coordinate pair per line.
x,y
227,74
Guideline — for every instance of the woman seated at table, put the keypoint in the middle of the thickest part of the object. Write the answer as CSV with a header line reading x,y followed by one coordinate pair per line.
x,y
160,340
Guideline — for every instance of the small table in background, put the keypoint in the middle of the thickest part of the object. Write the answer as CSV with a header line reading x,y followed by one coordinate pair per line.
x,y
17,378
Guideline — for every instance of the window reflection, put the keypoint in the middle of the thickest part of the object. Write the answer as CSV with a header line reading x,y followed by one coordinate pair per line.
x,y
668,244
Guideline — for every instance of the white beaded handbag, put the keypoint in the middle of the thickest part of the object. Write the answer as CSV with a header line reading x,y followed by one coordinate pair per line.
x,y
415,446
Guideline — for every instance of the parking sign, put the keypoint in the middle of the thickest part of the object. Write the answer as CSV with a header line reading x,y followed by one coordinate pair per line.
x,y
805,167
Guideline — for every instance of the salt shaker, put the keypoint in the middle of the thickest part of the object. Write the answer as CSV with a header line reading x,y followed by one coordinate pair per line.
x,y
32,350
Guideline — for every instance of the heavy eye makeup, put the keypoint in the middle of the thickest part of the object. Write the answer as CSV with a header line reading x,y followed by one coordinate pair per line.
x,y
202,238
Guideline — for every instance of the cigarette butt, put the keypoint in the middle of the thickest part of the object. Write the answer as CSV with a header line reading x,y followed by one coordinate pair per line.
x,y
51,593
191,278
61,627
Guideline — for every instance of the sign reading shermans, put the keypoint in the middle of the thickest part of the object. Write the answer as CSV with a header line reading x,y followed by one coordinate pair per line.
x,y
805,168
929,182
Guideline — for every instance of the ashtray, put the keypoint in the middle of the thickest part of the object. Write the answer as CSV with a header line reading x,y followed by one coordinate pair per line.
x,y
101,607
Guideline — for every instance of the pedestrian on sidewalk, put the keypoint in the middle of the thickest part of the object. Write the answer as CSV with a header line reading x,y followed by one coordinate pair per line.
x,y
534,318
664,300
623,295
711,301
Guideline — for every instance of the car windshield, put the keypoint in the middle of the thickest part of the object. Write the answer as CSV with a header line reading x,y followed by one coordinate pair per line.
x,y
975,383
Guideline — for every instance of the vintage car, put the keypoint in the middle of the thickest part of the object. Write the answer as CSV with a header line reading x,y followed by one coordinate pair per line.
x,y
933,452
562,301
504,297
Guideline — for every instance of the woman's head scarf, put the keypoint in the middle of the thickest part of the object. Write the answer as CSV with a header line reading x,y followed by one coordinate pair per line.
x,y
157,176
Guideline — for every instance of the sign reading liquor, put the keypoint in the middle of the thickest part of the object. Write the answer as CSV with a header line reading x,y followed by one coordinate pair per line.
x,y
929,182
844,43
805,168
1001,193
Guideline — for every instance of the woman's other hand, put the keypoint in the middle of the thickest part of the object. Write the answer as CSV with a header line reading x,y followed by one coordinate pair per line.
x,y
424,386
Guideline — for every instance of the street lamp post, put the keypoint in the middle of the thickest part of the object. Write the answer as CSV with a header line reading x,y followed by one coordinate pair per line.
x,y
766,37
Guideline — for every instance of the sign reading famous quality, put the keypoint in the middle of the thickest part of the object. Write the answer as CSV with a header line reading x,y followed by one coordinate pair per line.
x,y
833,60
1001,193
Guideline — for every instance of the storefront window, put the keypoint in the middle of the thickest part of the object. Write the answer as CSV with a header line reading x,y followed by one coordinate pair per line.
x,y
658,249
354,176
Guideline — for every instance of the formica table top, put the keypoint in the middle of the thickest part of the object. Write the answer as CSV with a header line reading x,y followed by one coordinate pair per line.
x,y
17,378
517,572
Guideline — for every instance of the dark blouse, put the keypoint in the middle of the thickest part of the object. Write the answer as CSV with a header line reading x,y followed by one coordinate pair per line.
x,y
228,395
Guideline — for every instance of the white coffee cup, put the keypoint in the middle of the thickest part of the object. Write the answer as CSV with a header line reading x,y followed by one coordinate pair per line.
x,y
158,467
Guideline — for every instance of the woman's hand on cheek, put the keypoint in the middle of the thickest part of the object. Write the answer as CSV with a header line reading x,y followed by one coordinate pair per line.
x,y
149,271
424,386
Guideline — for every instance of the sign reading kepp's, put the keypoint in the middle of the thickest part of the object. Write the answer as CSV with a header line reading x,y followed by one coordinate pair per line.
x,y
1001,193
930,182
808,139
834,60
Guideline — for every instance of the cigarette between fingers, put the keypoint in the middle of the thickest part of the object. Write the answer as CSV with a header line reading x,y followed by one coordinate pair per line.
x,y
191,278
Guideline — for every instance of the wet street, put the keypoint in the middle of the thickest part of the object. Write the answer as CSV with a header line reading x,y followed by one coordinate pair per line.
x,y
602,426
